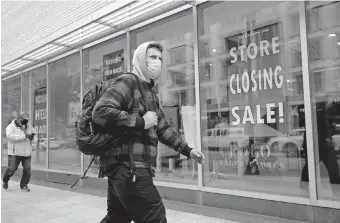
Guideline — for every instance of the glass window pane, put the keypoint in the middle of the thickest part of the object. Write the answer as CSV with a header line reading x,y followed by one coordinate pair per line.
x,y
11,104
34,102
105,59
64,82
323,23
251,84
175,90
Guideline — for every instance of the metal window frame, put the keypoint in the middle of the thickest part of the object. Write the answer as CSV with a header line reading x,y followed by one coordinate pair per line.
x,y
81,98
258,195
34,67
30,101
47,164
197,93
128,49
64,55
11,76
307,104
99,41
21,91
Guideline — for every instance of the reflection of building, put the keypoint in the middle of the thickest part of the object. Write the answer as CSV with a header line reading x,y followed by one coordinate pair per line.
x,y
198,74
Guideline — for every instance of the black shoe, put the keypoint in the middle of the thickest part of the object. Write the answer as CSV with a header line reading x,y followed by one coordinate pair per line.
x,y
5,185
25,188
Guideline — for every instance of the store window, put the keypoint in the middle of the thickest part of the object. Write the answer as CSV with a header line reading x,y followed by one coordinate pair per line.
x,y
175,90
64,107
102,62
11,105
251,90
34,96
323,23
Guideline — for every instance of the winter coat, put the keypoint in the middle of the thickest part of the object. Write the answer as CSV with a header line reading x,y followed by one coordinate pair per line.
x,y
18,144
122,107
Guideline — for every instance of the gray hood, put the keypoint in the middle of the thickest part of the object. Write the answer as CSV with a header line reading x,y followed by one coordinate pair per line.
x,y
139,61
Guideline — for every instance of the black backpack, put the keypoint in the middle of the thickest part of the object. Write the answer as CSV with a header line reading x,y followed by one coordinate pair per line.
x,y
89,138
92,139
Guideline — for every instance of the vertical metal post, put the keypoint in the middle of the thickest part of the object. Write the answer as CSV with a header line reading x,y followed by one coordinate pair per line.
x,y
197,93
81,98
128,53
30,95
21,91
1,129
47,115
308,104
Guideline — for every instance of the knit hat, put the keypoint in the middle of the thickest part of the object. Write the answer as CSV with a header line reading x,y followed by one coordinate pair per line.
x,y
24,115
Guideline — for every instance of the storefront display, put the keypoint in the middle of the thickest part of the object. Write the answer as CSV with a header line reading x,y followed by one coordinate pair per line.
x,y
11,100
64,91
242,84
35,97
249,73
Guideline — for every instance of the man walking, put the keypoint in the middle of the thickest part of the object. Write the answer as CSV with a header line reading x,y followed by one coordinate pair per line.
x,y
19,134
130,106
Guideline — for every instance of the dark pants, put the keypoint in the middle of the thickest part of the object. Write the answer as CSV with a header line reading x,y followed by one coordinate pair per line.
x,y
138,201
327,156
13,163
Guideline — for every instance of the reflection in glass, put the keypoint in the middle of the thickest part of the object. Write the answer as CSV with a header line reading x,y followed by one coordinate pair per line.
x,y
64,107
176,92
323,23
102,62
34,102
251,96
11,101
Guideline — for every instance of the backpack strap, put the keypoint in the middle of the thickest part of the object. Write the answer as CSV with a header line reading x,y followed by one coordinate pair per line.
x,y
84,175
130,142
130,147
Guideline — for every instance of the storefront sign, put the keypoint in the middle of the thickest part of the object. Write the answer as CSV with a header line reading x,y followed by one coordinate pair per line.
x,y
262,79
40,83
39,121
113,64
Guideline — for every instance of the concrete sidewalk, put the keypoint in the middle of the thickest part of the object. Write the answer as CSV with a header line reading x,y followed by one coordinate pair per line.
x,y
48,204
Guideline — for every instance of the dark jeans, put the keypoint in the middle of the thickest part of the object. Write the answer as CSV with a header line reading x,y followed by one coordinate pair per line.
x,y
138,201
13,163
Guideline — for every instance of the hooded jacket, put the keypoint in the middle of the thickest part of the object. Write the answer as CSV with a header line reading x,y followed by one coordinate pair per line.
x,y
18,144
122,107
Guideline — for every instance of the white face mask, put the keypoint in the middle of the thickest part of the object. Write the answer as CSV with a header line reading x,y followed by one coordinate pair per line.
x,y
154,68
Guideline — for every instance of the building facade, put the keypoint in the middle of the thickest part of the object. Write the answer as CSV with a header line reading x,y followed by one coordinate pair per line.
x,y
244,82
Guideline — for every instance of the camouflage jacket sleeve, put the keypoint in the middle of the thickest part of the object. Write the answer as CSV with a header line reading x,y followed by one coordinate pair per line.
x,y
168,136
111,109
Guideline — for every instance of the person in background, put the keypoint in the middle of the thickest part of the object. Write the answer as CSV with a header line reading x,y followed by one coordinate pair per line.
x,y
326,154
20,135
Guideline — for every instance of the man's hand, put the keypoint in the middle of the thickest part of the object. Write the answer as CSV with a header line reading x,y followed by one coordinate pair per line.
x,y
197,155
150,119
